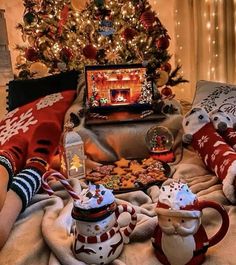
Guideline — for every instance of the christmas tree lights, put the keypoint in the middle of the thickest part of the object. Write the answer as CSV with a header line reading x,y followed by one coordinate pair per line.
x,y
68,34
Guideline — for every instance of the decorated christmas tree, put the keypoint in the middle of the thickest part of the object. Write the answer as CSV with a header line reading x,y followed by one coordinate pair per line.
x,y
63,35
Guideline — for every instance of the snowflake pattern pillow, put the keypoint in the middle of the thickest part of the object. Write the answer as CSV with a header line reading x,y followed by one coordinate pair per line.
x,y
215,95
24,119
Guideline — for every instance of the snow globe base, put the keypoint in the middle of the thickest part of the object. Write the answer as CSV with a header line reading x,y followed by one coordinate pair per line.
x,y
166,157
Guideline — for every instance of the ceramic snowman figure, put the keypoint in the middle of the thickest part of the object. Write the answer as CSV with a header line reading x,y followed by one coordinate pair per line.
x,y
98,238
180,238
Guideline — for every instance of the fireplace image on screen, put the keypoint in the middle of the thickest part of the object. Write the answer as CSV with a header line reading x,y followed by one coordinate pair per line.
x,y
124,85
120,96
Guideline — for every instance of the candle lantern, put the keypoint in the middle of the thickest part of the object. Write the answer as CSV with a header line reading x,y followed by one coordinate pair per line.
x,y
72,155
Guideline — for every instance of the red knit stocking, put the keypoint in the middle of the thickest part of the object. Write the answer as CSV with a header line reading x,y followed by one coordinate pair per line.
x,y
13,155
43,144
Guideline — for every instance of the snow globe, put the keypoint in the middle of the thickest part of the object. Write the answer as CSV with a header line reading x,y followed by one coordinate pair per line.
x,y
160,140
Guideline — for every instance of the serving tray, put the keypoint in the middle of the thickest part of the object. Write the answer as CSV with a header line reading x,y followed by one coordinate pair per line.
x,y
130,175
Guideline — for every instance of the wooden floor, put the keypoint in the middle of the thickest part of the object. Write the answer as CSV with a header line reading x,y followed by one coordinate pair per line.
x,y
2,101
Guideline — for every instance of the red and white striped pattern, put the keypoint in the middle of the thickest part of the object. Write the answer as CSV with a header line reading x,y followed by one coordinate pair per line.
x,y
97,116
127,208
62,179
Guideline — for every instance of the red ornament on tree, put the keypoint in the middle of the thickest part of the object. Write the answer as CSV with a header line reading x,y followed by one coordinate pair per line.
x,y
31,54
166,91
163,42
166,67
90,51
147,19
128,34
63,18
66,54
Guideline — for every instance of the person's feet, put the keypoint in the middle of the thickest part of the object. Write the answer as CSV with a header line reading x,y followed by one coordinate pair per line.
x,y
12,160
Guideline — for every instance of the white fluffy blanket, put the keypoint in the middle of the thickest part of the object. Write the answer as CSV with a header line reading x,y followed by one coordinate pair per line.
x,y
42,235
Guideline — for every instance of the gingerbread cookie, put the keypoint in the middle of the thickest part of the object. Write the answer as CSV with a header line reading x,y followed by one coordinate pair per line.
x,y
119,171
122,162
128,174
148,161
136,168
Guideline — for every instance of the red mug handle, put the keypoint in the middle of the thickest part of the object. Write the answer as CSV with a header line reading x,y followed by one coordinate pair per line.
x,y
129,229
225,220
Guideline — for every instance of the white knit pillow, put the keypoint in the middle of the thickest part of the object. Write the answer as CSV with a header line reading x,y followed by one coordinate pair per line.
x,y
215,95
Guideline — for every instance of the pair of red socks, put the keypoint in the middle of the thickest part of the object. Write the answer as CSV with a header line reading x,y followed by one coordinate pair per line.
x,y
26,160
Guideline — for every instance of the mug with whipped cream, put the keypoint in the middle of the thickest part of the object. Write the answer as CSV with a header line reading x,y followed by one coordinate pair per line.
x,y
98,238
180,237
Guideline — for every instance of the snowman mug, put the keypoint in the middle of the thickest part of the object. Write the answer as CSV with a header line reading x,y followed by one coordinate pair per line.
x,y
98,238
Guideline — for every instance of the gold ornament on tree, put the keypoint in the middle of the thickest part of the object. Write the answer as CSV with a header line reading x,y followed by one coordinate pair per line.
x,y
78,5
38,69
31,40
113,56
20,59
90,30
48,54
162,79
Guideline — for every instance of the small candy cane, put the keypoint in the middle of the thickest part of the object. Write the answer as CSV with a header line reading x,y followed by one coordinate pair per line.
x,y
97,116
62,179
146,113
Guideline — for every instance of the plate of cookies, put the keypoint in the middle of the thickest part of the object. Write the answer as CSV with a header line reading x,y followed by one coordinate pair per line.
x,y
130,174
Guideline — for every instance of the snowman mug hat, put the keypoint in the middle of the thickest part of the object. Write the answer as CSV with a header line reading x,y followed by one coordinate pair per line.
x,y
95,203
93,215
176,199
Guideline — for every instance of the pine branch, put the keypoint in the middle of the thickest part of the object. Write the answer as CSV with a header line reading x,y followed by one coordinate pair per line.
x,y
175,72
178,80
175,78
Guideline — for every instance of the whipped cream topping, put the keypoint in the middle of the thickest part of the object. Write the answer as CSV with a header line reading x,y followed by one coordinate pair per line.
x,y
95,196
177,195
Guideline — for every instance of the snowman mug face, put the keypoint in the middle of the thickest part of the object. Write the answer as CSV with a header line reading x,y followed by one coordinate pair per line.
x,y
96,228
99,240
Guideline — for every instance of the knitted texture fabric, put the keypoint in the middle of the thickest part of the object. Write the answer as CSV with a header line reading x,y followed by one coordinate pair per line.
x,y
42,146
26,184
26,132
224,125
218,156
13,156
229,136
44,141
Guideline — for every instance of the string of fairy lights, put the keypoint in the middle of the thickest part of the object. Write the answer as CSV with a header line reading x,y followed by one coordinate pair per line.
x,y
213,38
56,32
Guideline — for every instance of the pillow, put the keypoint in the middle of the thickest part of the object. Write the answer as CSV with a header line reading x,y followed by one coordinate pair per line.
x,y
215,95
21,92
24,119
